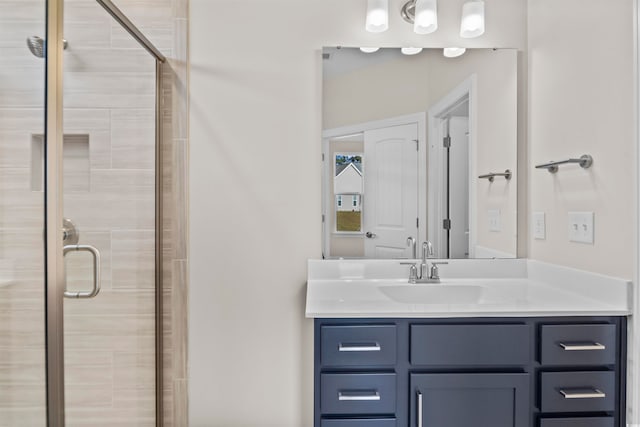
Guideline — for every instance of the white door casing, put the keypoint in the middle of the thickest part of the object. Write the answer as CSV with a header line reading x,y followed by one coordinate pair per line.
x,y
390,213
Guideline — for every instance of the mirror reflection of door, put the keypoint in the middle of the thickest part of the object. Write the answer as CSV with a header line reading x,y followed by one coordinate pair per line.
x,y
391,188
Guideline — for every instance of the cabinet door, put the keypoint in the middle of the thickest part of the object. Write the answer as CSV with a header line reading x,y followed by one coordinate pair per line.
x,y
463,400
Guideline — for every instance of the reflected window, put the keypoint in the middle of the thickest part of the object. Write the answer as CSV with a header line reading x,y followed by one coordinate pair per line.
x,y
348,183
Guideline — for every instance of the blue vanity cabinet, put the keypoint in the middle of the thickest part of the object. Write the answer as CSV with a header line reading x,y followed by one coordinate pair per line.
x,y
460,372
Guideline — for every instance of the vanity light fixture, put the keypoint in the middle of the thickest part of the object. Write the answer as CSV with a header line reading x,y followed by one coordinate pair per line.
x,y
423,15
377,16
411,50
369,49
472,23
454,52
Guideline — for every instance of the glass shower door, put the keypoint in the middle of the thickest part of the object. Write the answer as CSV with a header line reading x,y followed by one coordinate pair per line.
x,y
109,175
22,217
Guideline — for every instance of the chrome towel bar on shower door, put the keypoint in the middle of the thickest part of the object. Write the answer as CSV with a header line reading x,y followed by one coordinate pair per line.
x,y
585,161
96,271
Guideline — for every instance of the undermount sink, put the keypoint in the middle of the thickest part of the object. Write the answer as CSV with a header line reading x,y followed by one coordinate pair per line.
x,y
433,293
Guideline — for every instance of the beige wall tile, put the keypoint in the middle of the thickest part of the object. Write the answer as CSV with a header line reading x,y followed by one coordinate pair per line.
x,y
84,35
117,200
107,90
34,416
22,10
133,138
133,262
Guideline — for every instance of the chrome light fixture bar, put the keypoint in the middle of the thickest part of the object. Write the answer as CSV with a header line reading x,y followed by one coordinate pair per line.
x,y
423,15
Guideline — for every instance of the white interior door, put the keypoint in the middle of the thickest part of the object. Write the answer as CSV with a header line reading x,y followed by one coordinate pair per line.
x,y
459,187
390,213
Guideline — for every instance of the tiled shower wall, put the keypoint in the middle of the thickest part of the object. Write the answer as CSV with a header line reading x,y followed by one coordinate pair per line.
x,y
109,120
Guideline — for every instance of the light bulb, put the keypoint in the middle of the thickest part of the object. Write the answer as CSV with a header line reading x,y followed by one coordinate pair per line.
x,y
426,16
454,52
411,50
369,49
377,16
472,24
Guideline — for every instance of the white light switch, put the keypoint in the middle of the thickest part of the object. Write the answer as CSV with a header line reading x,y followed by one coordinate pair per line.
x,y
581,227
539,226
494,220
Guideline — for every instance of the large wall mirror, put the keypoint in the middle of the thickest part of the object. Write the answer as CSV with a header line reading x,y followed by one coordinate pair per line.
x,y
419,148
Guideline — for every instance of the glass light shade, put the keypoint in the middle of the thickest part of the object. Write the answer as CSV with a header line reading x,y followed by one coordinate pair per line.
x,y
369,49
411,50
377,16
454,52
472,24
426,16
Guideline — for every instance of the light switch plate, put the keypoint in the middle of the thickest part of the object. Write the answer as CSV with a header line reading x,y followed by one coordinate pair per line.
x,y
494,220
539,226
581,227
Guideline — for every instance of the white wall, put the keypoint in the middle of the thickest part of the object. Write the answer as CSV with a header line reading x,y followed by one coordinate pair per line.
x,y
581,101
255,97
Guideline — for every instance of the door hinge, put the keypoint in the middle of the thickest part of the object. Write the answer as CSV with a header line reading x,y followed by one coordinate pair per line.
x,y
323,157
446,141
446,224
417,222
417,144
323,218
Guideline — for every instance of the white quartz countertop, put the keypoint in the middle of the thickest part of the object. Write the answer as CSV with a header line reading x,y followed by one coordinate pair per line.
x,y
469,288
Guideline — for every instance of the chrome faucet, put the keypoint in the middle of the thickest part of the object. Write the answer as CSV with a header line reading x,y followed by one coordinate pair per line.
x,y
427,251
420,275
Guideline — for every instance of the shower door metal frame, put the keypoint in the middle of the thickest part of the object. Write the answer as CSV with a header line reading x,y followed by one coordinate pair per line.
x,y
53,235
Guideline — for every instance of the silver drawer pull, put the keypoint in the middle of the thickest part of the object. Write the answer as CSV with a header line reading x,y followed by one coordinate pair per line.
x,y
356,347
579,346
360,396
582,393
420,423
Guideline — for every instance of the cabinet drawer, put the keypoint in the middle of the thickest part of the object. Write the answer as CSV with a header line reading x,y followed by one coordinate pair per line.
x,y
577,391
356,345
578,345
577,422
358,394
475,345
359,422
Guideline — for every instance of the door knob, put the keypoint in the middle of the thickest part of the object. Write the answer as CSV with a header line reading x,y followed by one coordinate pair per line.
x,y
371,235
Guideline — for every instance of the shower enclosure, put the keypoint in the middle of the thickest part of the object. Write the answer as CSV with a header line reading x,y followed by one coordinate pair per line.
x,y
80,298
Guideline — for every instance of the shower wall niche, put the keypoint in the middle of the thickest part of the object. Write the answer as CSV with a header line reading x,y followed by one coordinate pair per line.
x,y
76,157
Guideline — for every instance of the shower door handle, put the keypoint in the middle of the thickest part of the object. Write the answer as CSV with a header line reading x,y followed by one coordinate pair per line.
x,y
96,271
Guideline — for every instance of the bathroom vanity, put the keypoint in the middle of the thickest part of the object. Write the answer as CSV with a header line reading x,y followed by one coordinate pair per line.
x,y
504,348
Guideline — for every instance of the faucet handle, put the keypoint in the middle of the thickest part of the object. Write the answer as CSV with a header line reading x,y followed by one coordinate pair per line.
x,y
434,274
413,271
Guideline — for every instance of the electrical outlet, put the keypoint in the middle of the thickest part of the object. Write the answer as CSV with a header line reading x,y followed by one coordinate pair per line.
x,y
581,227
539,226
494,220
